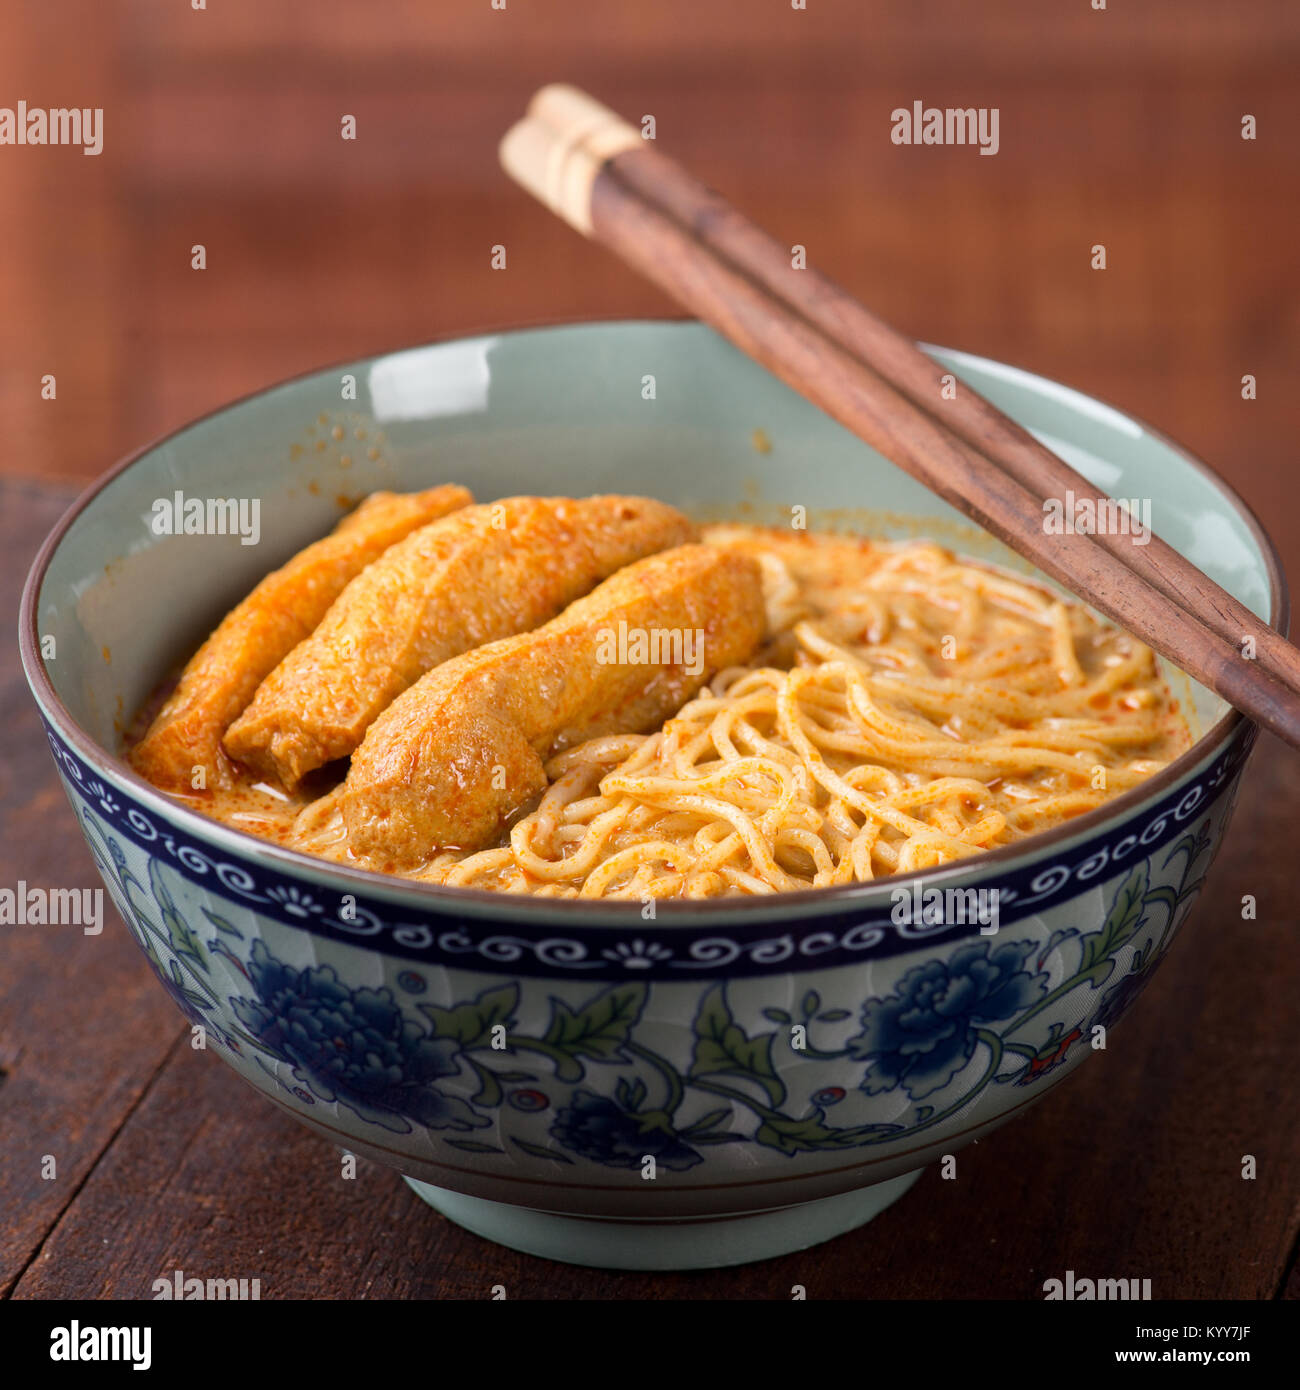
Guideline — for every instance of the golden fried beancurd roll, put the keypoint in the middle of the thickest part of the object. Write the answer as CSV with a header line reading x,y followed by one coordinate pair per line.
x,y
452,759
487,572
260,632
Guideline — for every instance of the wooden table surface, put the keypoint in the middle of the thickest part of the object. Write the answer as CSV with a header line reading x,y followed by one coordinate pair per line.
x,y
221,128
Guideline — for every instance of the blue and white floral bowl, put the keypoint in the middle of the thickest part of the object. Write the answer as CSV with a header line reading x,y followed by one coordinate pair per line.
x,y
713,1084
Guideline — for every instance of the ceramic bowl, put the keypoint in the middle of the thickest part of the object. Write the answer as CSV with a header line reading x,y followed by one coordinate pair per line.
x,y
713,1084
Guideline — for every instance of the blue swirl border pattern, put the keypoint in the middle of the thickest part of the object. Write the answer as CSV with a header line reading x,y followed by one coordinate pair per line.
x,y
644,950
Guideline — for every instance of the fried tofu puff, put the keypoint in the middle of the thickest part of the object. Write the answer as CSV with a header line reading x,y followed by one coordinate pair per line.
x,y
452,759
484,573
260,632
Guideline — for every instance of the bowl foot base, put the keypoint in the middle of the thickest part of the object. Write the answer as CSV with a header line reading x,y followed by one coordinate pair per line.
x,y
665,1245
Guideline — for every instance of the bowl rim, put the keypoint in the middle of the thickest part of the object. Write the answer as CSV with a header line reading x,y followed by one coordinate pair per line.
x,y
805,902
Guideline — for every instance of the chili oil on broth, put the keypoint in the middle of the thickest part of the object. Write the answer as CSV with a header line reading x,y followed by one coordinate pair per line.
x,y
911,708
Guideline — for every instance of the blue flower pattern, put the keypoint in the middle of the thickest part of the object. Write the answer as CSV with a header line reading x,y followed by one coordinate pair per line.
x,y
353,1045
923,1035
599,1129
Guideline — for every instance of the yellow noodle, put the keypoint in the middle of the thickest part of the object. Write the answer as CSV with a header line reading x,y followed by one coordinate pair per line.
x,y
910,709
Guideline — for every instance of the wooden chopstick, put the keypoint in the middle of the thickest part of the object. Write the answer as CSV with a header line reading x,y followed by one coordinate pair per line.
x,y
594,170
897,359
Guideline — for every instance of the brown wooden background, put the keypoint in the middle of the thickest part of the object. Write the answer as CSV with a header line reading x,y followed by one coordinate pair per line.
x,y
222,127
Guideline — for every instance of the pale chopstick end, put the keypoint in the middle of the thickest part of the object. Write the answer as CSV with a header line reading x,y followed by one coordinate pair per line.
x,y
557,174
559,148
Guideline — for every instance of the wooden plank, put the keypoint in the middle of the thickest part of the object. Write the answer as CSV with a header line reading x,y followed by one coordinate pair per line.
x,y
62,228
1120,127
83,1023
804,124
1019,31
